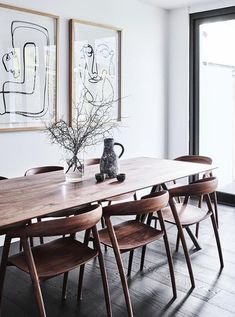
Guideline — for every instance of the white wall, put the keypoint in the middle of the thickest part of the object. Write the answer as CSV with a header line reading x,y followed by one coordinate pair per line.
x,y
143,81
178,136
178,83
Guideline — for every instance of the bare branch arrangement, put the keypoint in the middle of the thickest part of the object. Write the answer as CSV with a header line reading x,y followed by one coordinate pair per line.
x,y
91,125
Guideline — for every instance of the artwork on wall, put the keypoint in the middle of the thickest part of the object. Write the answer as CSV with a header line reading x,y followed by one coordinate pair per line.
x,y
28,68
95,66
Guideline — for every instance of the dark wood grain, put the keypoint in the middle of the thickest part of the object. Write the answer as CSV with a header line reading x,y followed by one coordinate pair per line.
x,y
58,256
29,197
132,234
184,215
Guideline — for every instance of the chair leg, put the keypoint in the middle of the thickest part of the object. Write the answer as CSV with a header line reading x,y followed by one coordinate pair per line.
x,y
130,262
102,223
31,239
20,246
103,272
3,266
82,267
168,254
40,238
193,238
177,242
142,258
120,267
31,242
197,230
155,223
198,224
80,282
214,224
103,226
187,257
65,282
214,197
135,196
183,241
34,277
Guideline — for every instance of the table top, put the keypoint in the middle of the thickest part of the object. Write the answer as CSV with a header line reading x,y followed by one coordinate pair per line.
x,y
29,197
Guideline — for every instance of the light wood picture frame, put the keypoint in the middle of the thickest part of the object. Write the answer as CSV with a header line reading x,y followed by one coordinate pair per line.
x,y
28,68
95,66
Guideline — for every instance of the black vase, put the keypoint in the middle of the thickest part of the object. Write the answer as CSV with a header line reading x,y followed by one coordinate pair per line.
x,y
109,160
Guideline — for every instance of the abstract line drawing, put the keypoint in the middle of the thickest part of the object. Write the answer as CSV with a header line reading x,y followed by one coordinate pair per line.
x,y
96,68
28,68
95,73
26,73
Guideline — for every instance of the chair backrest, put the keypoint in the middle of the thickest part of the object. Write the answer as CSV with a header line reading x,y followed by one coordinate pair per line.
x,y
195,159
138,207
2,178
86,220
42,169
201,187
92,161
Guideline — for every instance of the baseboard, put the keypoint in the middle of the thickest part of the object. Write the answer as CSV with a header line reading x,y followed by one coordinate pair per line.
x,y
226,199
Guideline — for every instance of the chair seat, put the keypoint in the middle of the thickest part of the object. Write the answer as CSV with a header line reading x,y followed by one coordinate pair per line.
x,y
131,234
188,214
55,257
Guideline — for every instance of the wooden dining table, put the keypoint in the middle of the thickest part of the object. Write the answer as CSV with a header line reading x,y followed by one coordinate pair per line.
x,y
25,198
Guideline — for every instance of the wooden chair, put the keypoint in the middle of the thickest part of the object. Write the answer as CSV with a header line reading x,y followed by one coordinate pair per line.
x,y
132,234
193,159
58,256
184,215
63,213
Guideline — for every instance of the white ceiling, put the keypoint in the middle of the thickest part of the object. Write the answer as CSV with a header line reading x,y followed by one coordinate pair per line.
x,y
172,4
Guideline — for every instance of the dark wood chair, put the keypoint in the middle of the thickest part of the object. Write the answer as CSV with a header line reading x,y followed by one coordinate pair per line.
x,y
58,256
132,234
63,213
193,159
201,160
184,215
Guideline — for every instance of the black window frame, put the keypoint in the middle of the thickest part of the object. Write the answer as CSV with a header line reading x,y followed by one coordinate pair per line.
x,y
196,19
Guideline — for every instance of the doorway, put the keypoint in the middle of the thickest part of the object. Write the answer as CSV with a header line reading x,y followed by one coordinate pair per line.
x,y
212,93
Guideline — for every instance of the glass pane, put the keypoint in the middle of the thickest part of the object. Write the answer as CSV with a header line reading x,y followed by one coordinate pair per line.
x,y
217,98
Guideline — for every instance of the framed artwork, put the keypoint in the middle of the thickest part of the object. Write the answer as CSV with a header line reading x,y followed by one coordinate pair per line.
x,y
95,66
28,68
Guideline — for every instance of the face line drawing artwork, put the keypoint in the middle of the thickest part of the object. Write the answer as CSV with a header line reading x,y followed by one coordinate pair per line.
x,y
6,57
31,26
93,74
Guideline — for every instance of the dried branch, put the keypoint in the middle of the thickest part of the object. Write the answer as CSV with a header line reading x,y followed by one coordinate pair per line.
x,y
90,126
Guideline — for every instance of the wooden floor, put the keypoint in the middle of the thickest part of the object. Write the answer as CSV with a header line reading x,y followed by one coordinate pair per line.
x,y
150,290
